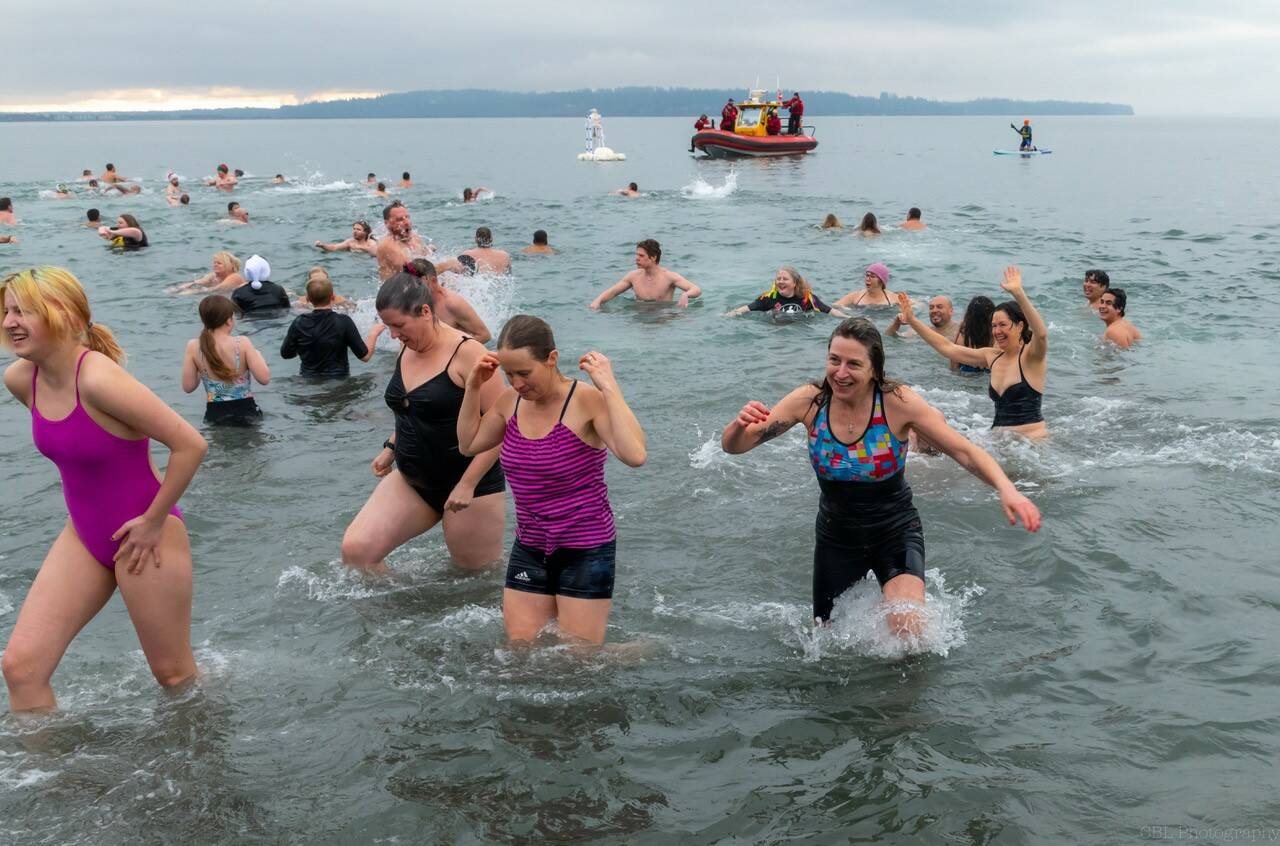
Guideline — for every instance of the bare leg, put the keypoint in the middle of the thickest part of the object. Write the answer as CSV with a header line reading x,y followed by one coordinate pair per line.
x,y
474,535
159,603
70,588
393,514
525,614
903,589
585,619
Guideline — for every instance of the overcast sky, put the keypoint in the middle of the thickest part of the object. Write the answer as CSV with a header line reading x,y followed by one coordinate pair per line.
x,y
1176,57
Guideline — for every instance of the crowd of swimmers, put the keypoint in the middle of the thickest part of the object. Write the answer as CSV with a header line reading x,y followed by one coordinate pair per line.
x,y
463,436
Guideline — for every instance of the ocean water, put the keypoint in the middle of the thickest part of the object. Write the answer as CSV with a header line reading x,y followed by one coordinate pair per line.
x,y
1115,672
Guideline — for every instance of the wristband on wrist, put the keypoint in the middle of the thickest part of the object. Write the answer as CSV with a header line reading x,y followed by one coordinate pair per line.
x,y
388,444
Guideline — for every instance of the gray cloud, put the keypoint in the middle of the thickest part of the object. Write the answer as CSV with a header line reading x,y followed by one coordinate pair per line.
x,y
1179,57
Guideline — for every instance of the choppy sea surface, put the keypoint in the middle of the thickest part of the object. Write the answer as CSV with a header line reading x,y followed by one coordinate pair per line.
x,y
1115,672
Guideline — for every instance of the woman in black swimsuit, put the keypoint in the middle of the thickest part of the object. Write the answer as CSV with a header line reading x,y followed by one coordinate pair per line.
x,y
425,480
1017,357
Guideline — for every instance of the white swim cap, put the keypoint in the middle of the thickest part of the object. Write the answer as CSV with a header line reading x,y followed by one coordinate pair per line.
x,y
257,271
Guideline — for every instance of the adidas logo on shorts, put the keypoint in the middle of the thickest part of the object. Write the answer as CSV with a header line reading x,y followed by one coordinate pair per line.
x,y
522,576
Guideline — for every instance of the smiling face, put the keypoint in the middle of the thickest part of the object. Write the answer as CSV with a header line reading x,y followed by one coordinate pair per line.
x,y
785,283
398,223
415,331
1005,334
1107,308
530,378
220,268
849,371
1092,289
939,311
26,331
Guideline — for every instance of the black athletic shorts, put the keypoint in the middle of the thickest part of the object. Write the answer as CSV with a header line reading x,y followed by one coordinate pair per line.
x,y
579,573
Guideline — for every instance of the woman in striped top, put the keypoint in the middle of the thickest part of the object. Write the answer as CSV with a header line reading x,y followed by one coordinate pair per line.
x,y
555,433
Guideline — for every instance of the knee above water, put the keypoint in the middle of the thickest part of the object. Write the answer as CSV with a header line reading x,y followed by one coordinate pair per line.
x,y
23,668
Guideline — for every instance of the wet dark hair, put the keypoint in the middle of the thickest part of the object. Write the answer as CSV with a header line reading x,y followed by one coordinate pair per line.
x,y
215,310
975,326
382,186
864,332
1099,276
221,168
421,268
539,236
869,223
1121,298
110,166
93,215
484,238
1014,311
232,206
468,263
406,294
386,213
6,204
364,224
279,176
651,248
633,186
526,332
93,183
86,172
239,172
371,175
404,175
185,199
468,194
913,213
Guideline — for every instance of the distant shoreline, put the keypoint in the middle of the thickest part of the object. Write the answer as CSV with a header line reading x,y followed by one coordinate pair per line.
x,y
612,102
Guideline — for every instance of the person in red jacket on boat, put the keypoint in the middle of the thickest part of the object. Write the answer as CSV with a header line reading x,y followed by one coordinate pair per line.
x,y
773,123
701,123
795,107
728,116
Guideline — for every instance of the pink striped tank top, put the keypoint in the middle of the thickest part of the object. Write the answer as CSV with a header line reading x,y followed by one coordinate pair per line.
x,y
558,486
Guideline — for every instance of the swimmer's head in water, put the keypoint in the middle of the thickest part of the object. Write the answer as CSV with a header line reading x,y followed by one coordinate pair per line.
x,y
484,238
633,186
468,195
93,183
528,354
185,199
877,275
1009,324
372,177
1095,280
319,291
869,223
223,169
386,212
1114,298
975,326
6,204
111,168
225,264
832,222
405,176
46,307
382,186
239,172
398,222
540,237
855,357
361,230
913,213
1026,123
173,180
93,215
86,172
232,206
788,282
129,220
648,253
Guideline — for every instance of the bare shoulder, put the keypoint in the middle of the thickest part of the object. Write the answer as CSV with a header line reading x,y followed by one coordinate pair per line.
x,y
903,399
17,379
101,377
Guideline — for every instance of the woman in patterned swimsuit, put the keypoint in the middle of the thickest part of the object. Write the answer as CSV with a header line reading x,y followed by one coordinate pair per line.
x,y
858,424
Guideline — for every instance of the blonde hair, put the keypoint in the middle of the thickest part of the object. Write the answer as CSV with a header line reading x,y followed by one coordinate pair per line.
x,y
802,287
832,222
229,260
317,271
56,295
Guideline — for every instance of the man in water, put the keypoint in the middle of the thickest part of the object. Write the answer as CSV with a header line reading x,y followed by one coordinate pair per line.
x,y
941,312
650,280
795,111
361,241
539,245
471,195
488,258
223,181
402,245
321,338
93,219
1096,283
278,179
1025,132
6,211
406,181
381,190
109,176
632,190
124,188
913,220
236,214
728,115
180,200
1120,331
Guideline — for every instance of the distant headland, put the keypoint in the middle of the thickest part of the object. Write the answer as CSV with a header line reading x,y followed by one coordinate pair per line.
x,y
614,102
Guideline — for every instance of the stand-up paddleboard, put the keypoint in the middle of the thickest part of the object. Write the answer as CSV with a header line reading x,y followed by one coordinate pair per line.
x,y
1021,152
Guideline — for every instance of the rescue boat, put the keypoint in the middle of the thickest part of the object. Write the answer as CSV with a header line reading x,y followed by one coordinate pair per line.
x,y
750,135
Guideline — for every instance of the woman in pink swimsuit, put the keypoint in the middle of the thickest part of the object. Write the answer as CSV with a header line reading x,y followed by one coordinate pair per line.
x,y
94,422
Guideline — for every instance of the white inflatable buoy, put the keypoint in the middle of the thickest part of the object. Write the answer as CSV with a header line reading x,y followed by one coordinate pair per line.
x,y
602,154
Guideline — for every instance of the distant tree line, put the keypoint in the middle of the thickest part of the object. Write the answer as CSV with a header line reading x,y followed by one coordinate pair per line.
x,y
614,102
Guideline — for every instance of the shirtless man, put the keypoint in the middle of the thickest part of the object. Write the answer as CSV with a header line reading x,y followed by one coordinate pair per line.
x,y
6,212
402,245
223,181
913,220
406,181
940,313
381,190
85,175
471,195
1096,282
174,188
361,241
632,190
278,179
450,306
236,214
123,188
371,179
1120,331
539,245
109,176
9,239
488,258
651,281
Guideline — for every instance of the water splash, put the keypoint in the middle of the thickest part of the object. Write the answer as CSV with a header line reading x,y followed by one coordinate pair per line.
x,y
700,189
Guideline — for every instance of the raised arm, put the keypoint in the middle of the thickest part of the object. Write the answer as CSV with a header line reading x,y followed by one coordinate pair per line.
x,y
1039,346
617,424
955,352
477,434
928,422
611,292
756,423
110,388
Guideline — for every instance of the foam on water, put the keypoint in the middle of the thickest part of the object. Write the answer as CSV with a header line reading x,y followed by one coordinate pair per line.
x,y
700,189
313,183
340,584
